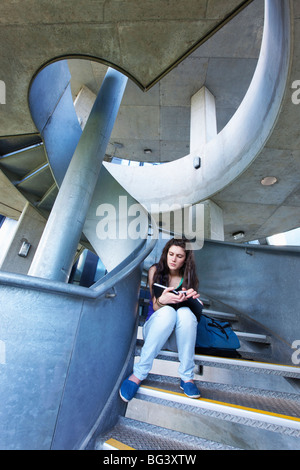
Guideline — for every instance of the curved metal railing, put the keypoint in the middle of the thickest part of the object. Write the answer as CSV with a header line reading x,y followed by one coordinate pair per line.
x,y
97,290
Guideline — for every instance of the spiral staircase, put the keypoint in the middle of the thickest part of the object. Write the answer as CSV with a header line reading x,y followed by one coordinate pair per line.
x,y
70,347
249,402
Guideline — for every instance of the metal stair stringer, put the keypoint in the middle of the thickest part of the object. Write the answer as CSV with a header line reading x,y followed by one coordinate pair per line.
x,y
58,124
29,171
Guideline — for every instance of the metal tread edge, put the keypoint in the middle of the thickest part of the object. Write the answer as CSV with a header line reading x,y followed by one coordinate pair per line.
x,y
233,363
130,434
249,416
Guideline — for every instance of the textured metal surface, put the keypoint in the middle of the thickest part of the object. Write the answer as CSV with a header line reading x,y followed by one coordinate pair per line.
x,y
258,366
58,350
226,428
233,364
279,403
255,422
54,260
61,146
254,405
144,436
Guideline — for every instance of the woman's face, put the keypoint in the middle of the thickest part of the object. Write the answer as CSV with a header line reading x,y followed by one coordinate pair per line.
x,y
175,258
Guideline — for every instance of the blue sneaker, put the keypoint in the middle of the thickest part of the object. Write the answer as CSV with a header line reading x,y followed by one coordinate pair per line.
x,y
128,390
190,389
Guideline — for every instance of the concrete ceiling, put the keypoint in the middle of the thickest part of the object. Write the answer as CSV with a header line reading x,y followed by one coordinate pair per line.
x,y
160,118
159,46
143,39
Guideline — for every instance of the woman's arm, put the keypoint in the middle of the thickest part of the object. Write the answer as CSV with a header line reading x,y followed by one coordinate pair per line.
x,y
151,273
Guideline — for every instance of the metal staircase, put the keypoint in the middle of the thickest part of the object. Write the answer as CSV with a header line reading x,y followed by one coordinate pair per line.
x,y
29,171
67,330
246,403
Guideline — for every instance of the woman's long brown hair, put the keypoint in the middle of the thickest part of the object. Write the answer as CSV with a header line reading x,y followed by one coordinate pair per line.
x,y
188,270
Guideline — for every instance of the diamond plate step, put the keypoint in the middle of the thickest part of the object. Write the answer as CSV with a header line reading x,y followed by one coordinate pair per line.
x,y
229,363
131,434
255,414
275,403
227,423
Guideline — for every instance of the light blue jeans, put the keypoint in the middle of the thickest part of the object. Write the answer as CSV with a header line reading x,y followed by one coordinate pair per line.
x,y
174,330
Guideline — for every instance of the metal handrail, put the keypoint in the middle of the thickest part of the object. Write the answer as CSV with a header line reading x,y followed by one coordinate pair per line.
x,y
272,249
124,269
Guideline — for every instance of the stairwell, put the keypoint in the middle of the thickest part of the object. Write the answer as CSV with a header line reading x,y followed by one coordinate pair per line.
x,y
246,403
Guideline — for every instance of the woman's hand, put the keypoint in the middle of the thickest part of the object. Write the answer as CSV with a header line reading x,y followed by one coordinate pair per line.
x,y
190,293
168,297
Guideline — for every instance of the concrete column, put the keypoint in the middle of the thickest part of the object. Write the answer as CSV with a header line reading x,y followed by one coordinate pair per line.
x,y
29,228
83,104
57,248
213,221
203,119
204,129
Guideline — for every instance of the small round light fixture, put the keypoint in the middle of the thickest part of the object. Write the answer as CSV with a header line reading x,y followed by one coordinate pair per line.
x,y
147,151
269,181
238,235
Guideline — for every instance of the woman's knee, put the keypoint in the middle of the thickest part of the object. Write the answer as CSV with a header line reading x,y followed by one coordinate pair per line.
x,y
186,318
166,315
163,318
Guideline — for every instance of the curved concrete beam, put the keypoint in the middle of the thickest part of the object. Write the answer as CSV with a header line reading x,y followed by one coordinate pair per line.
x,y
229,154
126,36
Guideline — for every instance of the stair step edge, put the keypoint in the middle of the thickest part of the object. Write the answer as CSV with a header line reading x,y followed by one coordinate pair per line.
x,y
138,435
114,444
255,337
255,366
220,314
162,380
235,411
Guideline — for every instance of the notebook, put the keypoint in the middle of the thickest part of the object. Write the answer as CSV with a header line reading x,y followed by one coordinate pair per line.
x,y
195,305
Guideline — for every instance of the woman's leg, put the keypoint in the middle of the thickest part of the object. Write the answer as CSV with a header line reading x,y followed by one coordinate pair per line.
x,y
156,331
186,331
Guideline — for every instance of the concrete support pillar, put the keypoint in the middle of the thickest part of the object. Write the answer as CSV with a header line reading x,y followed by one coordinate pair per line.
x,y
204,129
213,221
203,119
55,254
29,229
83,104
